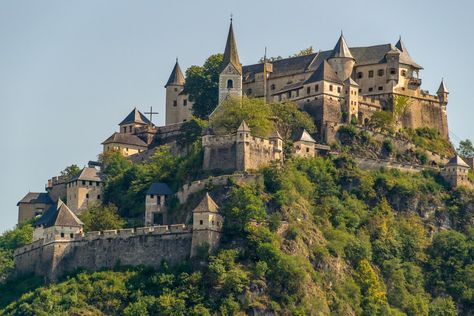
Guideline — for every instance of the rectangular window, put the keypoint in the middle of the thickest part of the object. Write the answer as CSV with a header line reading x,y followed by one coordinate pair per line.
x,y
316,88
83,182
380,72
200,222
175,103
98,196
185,102
360,75
62,235
371,73
91,183
87,195
380,88
71,236
371,89
339,89
330,87
308,90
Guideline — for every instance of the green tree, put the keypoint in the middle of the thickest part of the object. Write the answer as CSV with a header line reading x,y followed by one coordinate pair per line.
x,y
70,171
401,104
202,85
101,217
9,241
466,149
443,306
191,131
256,113
383,121
290,120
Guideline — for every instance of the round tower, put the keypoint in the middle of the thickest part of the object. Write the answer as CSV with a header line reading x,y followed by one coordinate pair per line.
x,y
174,86
443,93
341,59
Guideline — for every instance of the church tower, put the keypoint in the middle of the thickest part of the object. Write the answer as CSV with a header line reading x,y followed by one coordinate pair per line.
x,y
230,78
341,59
174,86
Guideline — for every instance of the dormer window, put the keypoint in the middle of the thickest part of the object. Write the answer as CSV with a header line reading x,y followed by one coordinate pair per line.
x,y
230,84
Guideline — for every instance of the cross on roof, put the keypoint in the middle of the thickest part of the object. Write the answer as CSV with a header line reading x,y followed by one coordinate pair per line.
x,y
151,114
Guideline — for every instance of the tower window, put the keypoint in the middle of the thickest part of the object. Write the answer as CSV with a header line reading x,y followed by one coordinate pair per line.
x,y
230,84
175,103
330,87
380,88
185,102
339,89
380,72
272,87
371,89
371,73
316,88
360,75
308,90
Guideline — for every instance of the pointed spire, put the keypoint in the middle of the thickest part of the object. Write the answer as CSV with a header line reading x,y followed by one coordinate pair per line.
x,y
135,117
207,204
243,127
176,78
457,161
442,88
230,54
341,50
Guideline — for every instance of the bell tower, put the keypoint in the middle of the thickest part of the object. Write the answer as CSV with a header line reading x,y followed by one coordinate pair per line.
x,y
230,78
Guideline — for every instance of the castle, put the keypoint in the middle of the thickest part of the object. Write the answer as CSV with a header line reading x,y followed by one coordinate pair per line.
x,y
342,85
335,87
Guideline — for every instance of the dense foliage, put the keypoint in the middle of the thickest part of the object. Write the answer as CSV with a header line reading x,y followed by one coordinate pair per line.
x,y
314,236
9,241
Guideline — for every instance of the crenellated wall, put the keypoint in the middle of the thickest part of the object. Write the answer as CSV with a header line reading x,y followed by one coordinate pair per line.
x,y
148,246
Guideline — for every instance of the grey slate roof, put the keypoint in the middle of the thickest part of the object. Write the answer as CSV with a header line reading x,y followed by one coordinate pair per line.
x,y
125,139
275,134
159,189
231,55
176,77
207,204
135,117
59,215
324,72
351,82
341,50
442,88
88,174
36,197
305,137
457,161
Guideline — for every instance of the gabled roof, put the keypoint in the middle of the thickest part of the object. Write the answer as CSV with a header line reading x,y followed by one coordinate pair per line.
x,y
230,54
442,88
59,215
135,117
341,50
305,137
88,174
243,127
159,189
36,197
125,139
324,72
405,57
176,78
457,161
207,204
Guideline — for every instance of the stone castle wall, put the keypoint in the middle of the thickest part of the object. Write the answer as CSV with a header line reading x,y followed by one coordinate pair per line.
x,y
148,246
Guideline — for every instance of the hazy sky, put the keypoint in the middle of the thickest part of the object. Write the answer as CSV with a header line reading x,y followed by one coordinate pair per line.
x,y
71,70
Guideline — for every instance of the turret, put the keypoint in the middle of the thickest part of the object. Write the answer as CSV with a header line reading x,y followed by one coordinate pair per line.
x,y
277,141
243,132
443,93
207,226
230,78
352,100
393,66
174,86
341,59
305,146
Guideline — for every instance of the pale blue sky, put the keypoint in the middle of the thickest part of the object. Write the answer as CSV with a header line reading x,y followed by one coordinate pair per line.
x,y
71,70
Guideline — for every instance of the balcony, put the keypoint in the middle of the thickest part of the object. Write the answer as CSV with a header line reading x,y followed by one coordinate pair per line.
x,y
414,82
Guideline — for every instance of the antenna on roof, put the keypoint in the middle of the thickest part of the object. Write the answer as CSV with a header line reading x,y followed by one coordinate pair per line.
x,y
265,55
231,17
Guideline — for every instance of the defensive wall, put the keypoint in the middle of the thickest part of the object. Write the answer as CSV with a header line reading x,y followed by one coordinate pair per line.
x,y
148,246
375,164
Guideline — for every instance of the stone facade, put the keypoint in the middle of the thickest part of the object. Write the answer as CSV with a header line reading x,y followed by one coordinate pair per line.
x,y
456,173
84,190
240,151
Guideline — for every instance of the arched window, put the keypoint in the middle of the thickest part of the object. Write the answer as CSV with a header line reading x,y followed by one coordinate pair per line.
x,y
230,84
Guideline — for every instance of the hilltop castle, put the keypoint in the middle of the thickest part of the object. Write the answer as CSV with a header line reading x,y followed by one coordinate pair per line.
x,y
342,85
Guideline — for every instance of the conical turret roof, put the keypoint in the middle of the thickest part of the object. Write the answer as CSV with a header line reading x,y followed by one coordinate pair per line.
x,y
341,50
176,78
207,204
442,88
243,127
457,161
230,54
275,134
305,137
405,56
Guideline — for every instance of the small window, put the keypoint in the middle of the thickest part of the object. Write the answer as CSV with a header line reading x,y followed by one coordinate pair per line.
x,y
175,103
339,89
83,182
307,149
125,129
316,88
360,90
393,71
62,235
71,236
152,196
289,94
371,73
185,102
380,88
330,87
404,73
212,223
230,84
200,222
272,87
91,183
360,75
371,89
98,196
130,129
308,90
87,195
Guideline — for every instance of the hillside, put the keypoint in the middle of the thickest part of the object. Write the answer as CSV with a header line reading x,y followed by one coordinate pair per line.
x,y
317,236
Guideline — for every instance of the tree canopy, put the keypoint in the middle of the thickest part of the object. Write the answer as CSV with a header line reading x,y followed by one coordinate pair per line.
x,y
466,149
